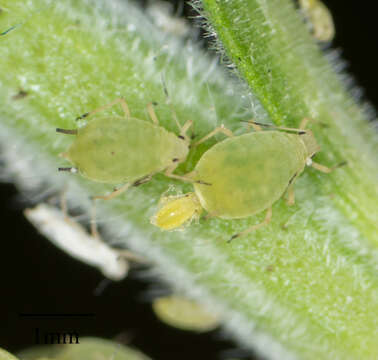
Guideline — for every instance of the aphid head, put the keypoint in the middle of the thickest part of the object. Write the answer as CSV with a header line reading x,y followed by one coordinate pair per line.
x,y
310,143
177,210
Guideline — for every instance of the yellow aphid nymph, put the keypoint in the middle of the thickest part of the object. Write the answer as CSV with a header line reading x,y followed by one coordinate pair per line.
x,y
177,210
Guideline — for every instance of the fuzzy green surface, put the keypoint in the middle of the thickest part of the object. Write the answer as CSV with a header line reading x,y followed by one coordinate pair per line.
x,y
303,287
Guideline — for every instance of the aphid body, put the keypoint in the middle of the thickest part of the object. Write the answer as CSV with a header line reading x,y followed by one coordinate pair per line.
x,y
177,210
120,150
127,150
319,18
246,173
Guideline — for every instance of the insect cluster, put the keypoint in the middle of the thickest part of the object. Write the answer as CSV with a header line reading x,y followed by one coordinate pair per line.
x,y
236,178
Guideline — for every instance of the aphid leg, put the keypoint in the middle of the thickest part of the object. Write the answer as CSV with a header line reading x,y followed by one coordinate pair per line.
x,y
217,130
186,177
152,114
123,188
255,127
290,195
113,194
102,108
185,128
326,169
266,221
170,103
304,122
290,191
93,222
299,131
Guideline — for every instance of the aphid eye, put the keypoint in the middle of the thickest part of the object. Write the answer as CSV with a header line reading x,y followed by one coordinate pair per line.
x,y
181,137
175,160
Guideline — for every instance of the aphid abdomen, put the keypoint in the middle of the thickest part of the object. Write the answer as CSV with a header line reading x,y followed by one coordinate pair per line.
x,y
120,150
248,173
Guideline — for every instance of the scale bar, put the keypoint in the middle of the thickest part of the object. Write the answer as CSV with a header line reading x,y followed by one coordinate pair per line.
x,y
55,315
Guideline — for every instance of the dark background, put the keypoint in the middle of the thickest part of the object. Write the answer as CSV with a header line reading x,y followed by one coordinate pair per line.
x,y
37,277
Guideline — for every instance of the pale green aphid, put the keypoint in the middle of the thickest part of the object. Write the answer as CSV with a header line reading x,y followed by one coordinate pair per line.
x,y
185,314
246,173
320,19
126,150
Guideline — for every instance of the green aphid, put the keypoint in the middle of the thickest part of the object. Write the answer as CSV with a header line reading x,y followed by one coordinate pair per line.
x,y
125,150
246,173
185,314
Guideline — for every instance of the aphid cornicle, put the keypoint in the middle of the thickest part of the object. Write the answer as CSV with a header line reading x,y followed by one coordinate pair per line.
x,y
126,150
247,173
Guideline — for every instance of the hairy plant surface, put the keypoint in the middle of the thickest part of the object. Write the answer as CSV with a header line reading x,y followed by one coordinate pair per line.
x,y
303,287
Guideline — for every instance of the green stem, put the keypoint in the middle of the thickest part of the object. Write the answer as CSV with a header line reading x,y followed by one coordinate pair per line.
x,y
306,285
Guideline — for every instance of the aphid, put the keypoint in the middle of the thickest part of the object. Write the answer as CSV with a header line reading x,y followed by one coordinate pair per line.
x,y
161,14
5,355
247,173
177,209
320,19
74,239
116,149
184,314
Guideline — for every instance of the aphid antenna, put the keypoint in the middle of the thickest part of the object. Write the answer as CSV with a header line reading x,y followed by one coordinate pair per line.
x,y
169,102
67,131
299,131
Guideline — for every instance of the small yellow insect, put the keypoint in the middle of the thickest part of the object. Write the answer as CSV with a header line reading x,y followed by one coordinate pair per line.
x,y
319,19
177,209
246,173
